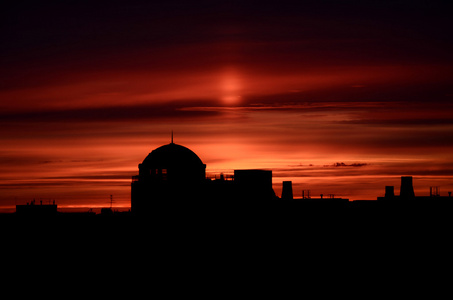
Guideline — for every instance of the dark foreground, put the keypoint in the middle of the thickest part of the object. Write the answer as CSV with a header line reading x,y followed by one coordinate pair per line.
x,y
364,251
290,219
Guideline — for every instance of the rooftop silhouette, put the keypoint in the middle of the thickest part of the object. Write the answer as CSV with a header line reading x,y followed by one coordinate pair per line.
x,y
174,176
172,180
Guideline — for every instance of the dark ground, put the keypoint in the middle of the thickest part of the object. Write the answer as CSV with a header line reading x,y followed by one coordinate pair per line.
x,y
278,252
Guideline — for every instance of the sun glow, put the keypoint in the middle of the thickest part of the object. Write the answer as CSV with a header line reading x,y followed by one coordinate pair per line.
x,y
230,87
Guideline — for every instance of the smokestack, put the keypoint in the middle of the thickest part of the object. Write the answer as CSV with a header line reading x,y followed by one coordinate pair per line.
x,y
389,191
406,190
287,191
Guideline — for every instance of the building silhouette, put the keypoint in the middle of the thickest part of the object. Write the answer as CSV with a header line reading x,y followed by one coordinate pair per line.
x,y
172,179
407,189
169,173
408,199
287,190
253,185
174,176
33,209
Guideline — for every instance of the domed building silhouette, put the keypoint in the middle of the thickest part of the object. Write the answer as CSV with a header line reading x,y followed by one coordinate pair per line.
x,y
168,174
173,163
173,176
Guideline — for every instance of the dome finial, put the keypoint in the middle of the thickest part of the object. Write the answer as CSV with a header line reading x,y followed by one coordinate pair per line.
x,y
172,136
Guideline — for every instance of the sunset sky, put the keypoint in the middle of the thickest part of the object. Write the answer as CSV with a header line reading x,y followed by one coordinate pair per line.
x,y
341,97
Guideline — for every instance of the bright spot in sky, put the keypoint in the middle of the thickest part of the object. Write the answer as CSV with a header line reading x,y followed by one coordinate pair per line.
x,y
230,86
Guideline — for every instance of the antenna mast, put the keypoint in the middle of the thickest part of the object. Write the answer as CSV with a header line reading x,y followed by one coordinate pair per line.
x,y
172,136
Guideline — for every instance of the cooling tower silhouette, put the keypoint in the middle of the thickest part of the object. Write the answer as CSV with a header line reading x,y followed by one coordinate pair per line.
x,y
287,191
406,190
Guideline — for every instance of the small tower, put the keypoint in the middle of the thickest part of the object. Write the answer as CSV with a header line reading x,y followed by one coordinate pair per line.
x,y
287,191
407,189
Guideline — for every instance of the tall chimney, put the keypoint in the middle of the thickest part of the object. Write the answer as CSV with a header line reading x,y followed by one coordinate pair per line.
x,y
406,190
287,191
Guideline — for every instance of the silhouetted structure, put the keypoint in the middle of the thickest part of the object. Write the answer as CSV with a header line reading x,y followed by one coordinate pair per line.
x,y
169,173
408,201
407,189
287,190
33,210
253,185
174,175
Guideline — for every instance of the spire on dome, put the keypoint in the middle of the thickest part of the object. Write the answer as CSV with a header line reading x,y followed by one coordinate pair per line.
x,y
172,136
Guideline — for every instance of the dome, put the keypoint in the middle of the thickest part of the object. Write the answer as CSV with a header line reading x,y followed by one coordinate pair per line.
x,y
172,155
173,163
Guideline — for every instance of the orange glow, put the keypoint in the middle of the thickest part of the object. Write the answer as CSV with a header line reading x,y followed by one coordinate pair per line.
x,y
338,106
231,87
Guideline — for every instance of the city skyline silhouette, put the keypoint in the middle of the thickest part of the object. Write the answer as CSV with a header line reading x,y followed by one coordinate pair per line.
x,y
339,99
172,180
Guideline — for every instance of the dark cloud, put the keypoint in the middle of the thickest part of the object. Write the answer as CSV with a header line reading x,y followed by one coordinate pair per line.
x,y
113,175
105,178
342,164
150,113
382,169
